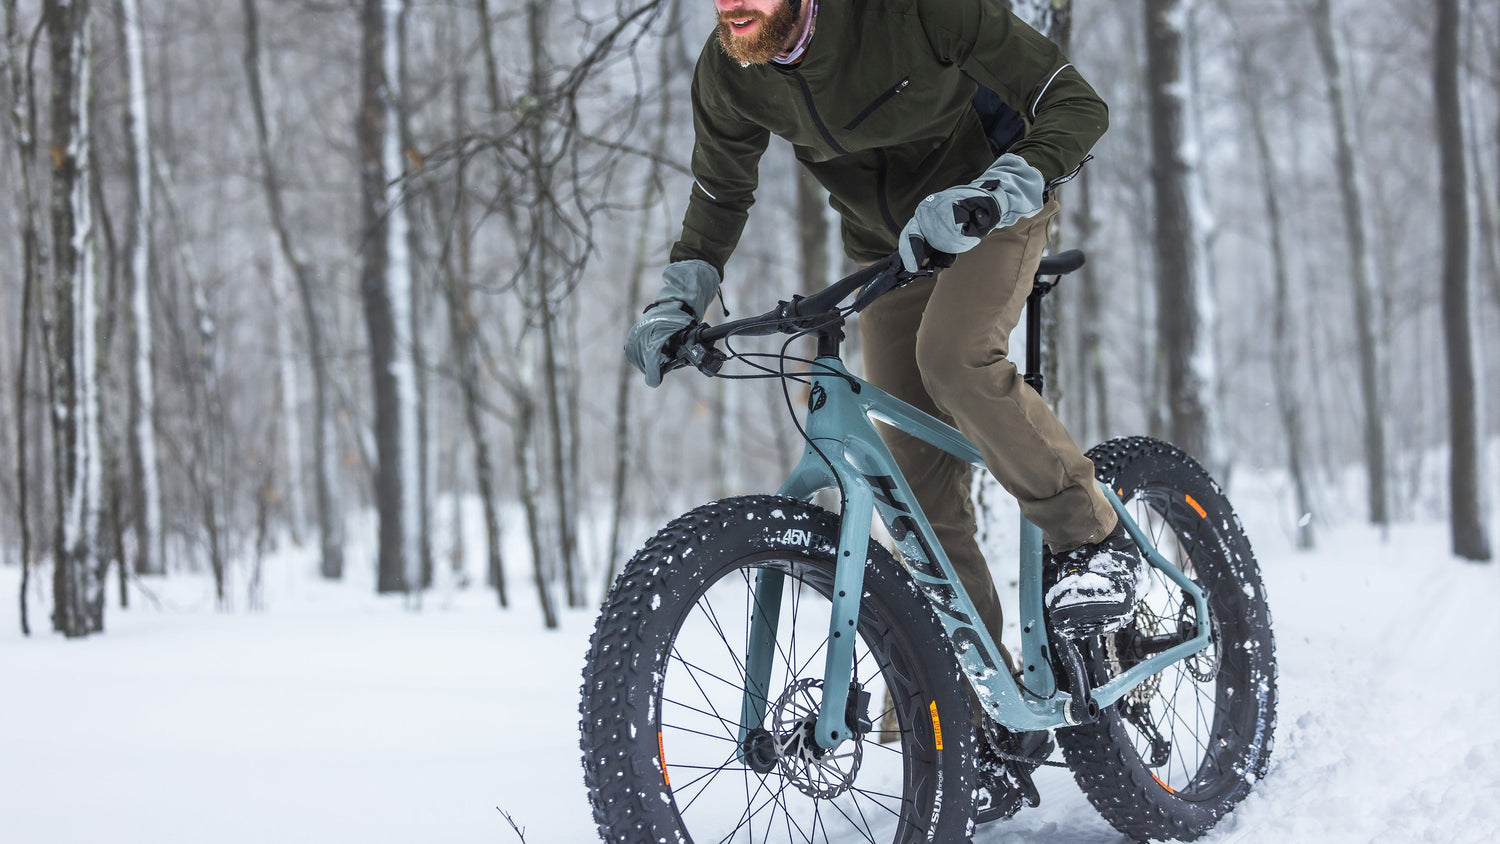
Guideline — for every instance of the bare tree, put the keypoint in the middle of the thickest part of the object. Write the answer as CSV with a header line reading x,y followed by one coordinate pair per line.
x,y
34,260
325,447
386,290
145,478
668,66
1182,300
1465,465
206,466
1283,346
1364,282
77,587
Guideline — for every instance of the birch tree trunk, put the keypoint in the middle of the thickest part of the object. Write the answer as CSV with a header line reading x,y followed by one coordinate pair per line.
x,y
150,556
1466,456
385,286
77,586
1365,286
1183,306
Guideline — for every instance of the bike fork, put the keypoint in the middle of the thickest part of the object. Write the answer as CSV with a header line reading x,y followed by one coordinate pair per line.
x,y
832,727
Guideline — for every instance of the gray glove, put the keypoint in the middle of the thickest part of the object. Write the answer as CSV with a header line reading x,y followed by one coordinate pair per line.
x,y
1010,183
689,287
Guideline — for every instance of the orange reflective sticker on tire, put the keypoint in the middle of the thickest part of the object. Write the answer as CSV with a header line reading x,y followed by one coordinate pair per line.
x,y
937,728
662,754
1198,508
1169,788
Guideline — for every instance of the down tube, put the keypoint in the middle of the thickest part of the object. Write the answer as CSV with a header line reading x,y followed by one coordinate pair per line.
x,y
848,421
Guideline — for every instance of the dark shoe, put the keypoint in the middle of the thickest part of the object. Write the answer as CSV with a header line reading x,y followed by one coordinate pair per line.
x,y
1005,762
1094,587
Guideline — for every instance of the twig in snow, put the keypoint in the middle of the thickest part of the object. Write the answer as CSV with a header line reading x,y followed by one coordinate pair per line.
x,y
520,831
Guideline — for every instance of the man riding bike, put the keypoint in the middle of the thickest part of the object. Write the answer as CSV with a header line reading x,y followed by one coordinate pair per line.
x,y
900,108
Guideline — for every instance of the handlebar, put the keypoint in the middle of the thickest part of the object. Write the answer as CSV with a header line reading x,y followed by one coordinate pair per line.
x,y
694,345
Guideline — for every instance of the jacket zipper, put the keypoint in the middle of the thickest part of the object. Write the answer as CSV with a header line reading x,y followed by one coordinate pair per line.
x,y
877,103
813,110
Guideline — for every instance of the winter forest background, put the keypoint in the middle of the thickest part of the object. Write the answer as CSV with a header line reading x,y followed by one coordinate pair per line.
x,y
352,278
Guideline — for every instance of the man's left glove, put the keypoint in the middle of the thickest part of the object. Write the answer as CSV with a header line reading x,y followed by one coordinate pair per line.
x,y
688,289
954,220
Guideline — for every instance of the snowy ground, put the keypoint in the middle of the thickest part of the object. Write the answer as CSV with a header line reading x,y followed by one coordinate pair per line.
x,y
335,715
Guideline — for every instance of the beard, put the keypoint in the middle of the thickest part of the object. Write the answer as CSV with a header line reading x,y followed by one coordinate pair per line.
x,y
767,41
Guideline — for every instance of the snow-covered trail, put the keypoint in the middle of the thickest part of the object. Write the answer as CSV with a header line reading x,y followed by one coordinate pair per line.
x,y
1389,657
339,716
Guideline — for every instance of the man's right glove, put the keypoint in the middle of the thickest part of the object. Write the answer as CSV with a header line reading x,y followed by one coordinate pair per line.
x,y
688,289
954,220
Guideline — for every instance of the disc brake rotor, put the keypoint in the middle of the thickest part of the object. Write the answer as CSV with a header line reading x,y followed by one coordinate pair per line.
x,y
818,773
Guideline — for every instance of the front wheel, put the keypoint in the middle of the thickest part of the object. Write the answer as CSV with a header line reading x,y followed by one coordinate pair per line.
x,y
1183,748
665,678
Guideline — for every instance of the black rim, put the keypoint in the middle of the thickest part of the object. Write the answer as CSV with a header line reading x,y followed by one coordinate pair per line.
x,y
1175,720
717,797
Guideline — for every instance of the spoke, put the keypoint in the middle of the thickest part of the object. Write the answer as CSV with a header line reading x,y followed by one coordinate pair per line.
x,y
751,812
681,729
887,748
706,607
872,794
711,776
704,712
700,669
846,817
723,722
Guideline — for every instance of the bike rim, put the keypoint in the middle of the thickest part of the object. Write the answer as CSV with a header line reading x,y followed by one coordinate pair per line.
x,y
1185,703
718,798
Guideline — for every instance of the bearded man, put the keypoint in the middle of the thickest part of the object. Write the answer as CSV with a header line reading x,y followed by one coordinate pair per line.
x,y
902,109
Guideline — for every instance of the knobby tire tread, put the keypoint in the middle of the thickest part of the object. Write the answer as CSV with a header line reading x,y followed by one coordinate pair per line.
x,y
1105,763
622,786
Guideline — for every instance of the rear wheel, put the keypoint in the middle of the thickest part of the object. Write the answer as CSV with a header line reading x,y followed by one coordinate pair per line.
x,y
1183,748
665,679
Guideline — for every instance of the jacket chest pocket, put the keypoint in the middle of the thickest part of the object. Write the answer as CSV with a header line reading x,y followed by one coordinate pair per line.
x,y
870,108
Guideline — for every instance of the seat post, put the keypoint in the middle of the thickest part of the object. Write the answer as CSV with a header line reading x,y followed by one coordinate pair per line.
x,y
1033,375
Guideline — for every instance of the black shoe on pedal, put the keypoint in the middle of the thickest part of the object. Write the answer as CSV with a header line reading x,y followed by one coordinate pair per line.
x,y
1094,587
1005,763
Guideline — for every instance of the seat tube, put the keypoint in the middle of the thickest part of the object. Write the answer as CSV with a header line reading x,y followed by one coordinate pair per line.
x,y
848,586
1036,668
765,618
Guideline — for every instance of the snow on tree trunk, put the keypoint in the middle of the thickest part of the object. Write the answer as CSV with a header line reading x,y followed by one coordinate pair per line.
x,y
1465,467
150,557
386,289
1365,285
1184,306
78,586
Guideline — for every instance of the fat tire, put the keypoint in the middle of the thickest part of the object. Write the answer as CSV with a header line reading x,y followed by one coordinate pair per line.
x,y
641,618
1104,758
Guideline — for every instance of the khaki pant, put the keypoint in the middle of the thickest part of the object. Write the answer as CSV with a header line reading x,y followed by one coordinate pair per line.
x,y
940,344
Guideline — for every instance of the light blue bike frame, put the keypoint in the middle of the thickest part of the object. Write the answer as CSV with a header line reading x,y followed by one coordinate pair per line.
x,y
839,423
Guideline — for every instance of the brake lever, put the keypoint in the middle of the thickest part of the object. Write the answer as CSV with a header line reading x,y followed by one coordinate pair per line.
x,y
684,349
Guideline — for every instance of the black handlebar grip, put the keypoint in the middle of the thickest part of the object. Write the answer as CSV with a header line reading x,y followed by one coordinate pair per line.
x,y
926,256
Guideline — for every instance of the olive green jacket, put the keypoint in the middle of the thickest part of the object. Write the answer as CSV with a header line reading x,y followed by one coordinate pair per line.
x,y
880,111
